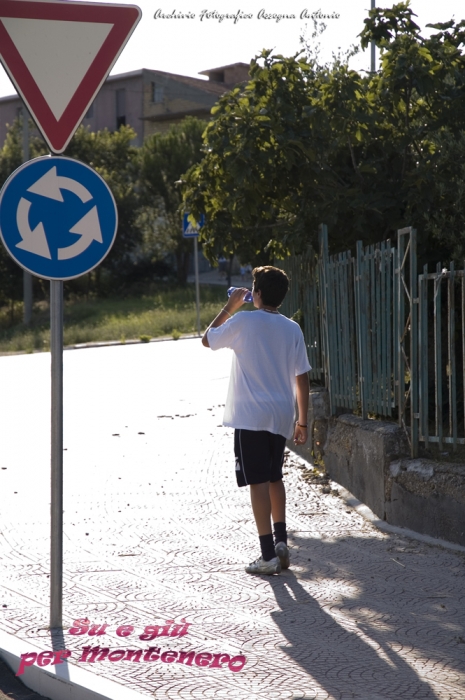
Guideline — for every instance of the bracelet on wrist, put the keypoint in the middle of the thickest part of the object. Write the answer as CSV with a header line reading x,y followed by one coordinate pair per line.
x,y
300,424
226,311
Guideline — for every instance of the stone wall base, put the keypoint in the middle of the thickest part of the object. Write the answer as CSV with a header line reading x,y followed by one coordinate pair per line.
x,y
370,458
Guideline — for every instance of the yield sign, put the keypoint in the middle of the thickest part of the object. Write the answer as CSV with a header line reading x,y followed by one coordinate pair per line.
x,y
58,55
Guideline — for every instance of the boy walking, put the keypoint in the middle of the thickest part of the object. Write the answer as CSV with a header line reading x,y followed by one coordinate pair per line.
x,y
269,371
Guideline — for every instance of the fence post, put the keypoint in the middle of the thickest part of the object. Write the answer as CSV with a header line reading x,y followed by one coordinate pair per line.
x,y
452,366
400,327
438,353
463,334
360,300
423,356
414,303
323,241
409,327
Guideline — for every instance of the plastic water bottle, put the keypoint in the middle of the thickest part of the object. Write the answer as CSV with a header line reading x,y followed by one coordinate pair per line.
x,y
247,296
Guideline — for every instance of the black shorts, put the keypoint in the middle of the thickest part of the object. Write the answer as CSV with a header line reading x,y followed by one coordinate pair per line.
x,y
259,456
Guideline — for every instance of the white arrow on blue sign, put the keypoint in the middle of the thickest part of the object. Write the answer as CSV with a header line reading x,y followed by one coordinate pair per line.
x,y
58,217
190,230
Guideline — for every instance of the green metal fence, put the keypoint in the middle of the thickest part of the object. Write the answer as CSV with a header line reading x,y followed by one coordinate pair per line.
x,y
303,302
339,322
442,355
385,340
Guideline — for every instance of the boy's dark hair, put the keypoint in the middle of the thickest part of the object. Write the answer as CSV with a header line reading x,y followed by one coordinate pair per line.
x,y
273,284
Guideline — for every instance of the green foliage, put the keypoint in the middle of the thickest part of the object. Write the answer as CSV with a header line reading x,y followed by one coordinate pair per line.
x,y
165,310
11,157
143,183
302,144
163,159
249,184
299,318
113,157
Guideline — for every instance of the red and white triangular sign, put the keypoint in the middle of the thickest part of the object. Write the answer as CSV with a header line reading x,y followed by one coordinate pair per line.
x,y
58,54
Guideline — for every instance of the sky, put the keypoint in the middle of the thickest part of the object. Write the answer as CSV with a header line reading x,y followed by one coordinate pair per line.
x,y
201,39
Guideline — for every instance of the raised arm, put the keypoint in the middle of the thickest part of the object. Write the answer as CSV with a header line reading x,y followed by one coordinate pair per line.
x,y
235,301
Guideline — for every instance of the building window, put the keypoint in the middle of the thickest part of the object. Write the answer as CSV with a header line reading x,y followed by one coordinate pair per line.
x,y
120,108
157,92
217,76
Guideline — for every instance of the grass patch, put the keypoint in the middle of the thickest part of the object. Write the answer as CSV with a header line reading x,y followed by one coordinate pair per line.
x,y
167,311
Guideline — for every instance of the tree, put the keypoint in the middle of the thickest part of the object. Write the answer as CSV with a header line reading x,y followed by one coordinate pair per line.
x,y
421,94
254,150
113,157
164,158
302,144
11,157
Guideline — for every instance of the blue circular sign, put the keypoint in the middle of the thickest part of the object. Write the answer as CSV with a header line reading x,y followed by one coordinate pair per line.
x,y
58,217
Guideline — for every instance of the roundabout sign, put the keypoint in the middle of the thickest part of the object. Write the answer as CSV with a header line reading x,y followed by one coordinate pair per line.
x,y
58,217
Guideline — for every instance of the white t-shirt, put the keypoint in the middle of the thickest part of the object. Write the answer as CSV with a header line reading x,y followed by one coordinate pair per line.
x,y
269,352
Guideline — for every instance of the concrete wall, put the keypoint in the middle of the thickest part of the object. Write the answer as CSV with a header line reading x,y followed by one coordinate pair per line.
x,y
104,107
428,497
370,458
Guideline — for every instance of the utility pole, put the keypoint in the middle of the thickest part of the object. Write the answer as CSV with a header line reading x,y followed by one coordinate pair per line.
x,y
373,47
27,277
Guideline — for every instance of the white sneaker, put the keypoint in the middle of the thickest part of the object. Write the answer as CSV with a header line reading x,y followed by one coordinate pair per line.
x,y
282,552
260,566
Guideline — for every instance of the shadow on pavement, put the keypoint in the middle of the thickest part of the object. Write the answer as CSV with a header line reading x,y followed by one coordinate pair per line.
x,y
354,649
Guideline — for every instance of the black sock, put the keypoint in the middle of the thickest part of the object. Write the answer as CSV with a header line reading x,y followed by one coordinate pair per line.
x,y
267,547
280,533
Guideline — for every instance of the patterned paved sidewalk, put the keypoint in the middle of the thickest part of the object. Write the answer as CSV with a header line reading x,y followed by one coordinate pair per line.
x,y
157,531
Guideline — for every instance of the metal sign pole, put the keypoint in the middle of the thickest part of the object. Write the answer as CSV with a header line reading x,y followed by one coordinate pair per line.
x,y
96,226
197,290
27,277
56,536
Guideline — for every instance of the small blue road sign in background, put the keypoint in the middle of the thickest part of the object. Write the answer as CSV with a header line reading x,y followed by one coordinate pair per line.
x,y
58,217
190,231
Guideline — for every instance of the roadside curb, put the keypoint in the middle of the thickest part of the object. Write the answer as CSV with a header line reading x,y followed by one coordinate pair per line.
x,y
352,502
363,510
135,341
68,682
107,343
